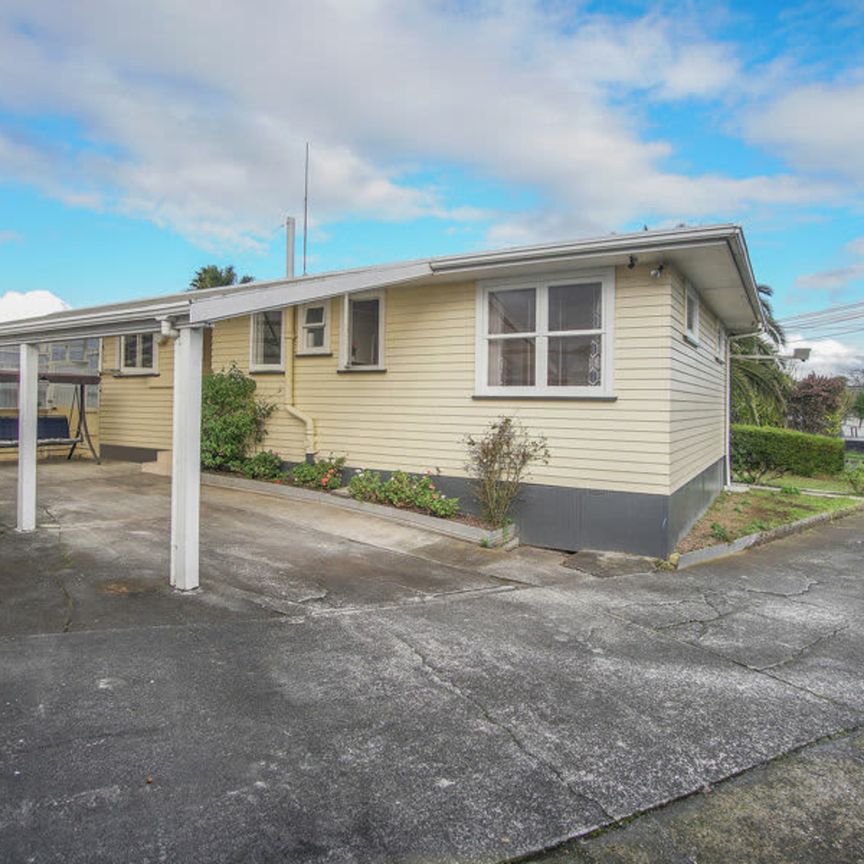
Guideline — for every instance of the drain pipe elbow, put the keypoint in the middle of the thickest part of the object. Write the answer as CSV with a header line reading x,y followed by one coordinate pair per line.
x,y
309,423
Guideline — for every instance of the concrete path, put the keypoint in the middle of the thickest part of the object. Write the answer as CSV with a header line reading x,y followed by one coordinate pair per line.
x,y
340,692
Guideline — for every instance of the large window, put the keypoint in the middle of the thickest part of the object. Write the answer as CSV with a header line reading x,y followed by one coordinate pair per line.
x,y
314,335
363,331
267,342
137,354
546,337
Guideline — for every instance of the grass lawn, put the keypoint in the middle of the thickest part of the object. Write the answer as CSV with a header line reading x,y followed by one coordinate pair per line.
x,y
737,514
818,484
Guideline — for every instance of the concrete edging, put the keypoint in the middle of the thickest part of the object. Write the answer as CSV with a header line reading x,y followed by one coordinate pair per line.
x,y
445,527
711,553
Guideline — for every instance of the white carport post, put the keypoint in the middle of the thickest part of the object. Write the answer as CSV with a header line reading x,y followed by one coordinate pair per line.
x,y
186,465
28,409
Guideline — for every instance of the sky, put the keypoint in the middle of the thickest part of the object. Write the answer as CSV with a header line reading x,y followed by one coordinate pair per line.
x,y
140,141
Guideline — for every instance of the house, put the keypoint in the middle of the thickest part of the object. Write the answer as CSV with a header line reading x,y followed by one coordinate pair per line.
x,y
614,348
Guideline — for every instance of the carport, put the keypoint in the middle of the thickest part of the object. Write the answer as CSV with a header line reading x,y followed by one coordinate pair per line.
x,y
181,318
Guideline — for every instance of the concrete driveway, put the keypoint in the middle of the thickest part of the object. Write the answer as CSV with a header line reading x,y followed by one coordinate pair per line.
x,y
343,689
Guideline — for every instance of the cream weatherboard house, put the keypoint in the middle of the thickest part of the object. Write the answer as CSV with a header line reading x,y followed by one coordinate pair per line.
x,y
616,349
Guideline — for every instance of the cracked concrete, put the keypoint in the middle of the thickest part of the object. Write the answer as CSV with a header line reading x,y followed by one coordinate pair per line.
x,y
354,691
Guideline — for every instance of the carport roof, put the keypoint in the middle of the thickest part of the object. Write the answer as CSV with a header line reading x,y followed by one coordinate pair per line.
x,y
714,258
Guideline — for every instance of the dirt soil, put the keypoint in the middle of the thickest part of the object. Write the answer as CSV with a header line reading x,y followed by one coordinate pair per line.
x,y
737,514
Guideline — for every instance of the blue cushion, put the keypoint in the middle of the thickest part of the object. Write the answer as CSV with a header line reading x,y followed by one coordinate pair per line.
x,y
55,426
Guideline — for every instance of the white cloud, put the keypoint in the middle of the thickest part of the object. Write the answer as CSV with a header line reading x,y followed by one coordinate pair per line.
x,y
29,304
835,280
818,127
9,237
828,356
195,116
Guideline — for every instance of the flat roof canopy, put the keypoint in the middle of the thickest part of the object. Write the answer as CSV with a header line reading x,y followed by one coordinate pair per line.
x,y
713,258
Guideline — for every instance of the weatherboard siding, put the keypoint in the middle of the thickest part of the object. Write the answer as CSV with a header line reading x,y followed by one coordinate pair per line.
x,y
415,416
698,393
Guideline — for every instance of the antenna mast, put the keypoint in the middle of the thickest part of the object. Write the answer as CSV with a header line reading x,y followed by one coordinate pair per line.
x,y
306,208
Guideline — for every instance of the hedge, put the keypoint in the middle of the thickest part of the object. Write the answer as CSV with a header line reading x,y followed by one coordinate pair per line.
x,y
762,451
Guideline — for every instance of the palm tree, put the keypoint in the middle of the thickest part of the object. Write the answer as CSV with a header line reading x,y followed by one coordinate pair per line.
x,y
760,388
213,276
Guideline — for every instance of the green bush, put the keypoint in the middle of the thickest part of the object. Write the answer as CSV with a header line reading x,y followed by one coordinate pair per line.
x,y
265,465
232,419
367,486
854,476
321,474
760,452
417,492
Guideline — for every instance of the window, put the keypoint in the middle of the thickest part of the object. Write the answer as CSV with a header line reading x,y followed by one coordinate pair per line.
x,y
137,354
691,314
314,335
267,344
363,331
546,338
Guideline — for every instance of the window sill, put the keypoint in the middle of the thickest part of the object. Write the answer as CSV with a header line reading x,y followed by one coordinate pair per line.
x,y
272,370
546,397
690,340
351,370
132,373
313,354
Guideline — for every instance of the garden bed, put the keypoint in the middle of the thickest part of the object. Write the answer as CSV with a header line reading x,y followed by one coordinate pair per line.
x,y
737,515
462,526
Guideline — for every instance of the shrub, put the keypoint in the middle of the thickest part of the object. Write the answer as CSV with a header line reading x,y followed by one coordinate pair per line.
x,y
366,486
232,419
418,492
760,452
265,465
854,476
321,474
817,405
497,463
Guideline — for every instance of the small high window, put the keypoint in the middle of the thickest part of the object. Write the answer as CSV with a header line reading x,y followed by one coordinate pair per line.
x,y
363,329
314,335
137,354
691,314
267,342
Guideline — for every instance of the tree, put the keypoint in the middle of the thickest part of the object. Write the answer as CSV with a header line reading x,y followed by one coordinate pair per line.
x,y
817,405
213,276
760,388
858,408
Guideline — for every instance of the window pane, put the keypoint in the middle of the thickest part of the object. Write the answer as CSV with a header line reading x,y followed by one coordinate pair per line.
x,y
575,361
512,311
315,338
315,315
147,351
691,312
130,351
76,351
364,332
58,353
268,348
576,307
511,362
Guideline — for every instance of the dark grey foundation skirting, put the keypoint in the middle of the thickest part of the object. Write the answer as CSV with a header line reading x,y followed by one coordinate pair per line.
x,y
128,454
566,518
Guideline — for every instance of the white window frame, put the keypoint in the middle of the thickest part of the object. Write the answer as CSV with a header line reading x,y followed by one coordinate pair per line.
x,y
266,367
691,296
542,284
345,331
137,370
301,350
